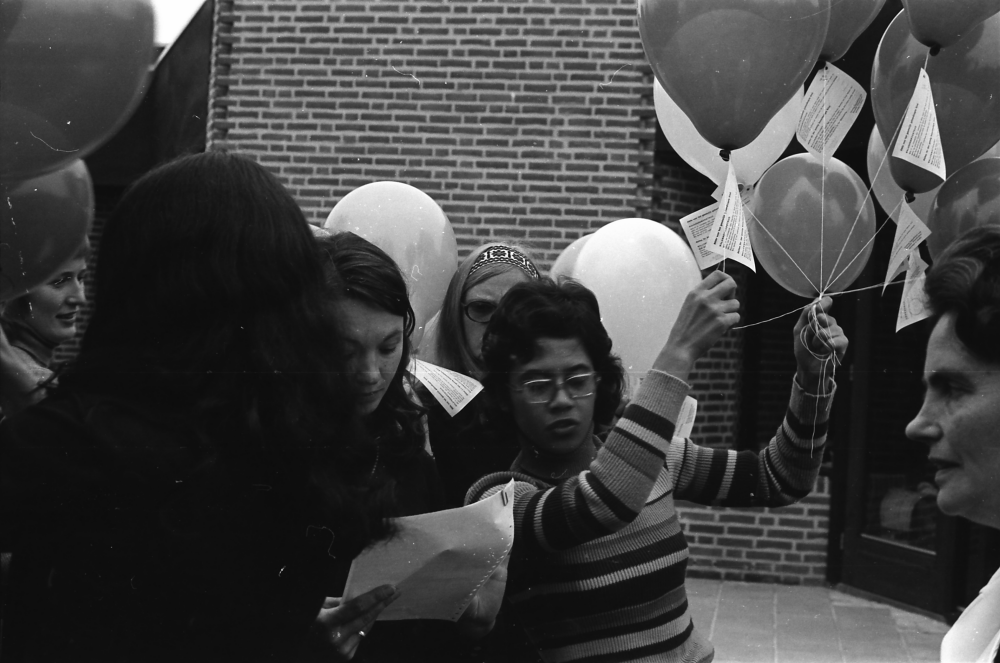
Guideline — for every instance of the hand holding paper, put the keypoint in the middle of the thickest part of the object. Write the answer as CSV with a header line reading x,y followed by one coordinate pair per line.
x,y
438,561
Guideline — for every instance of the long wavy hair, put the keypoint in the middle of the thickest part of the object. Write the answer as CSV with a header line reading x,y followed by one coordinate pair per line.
x,y
452,351
546,309
358,270
211,299
965,280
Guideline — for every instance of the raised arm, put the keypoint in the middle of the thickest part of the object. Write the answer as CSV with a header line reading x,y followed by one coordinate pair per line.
x,y
612,492
786,470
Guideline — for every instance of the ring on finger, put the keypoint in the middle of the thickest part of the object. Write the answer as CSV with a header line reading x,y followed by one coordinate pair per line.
x,y
361,633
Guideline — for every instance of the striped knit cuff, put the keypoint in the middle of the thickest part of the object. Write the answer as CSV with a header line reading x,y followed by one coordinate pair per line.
x,y
812,407
662,394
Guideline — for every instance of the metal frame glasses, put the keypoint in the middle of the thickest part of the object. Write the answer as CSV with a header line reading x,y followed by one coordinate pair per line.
x,y
543,390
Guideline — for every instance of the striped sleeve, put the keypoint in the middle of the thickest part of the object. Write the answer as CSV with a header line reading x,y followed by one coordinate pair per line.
x,y
612,492
783,473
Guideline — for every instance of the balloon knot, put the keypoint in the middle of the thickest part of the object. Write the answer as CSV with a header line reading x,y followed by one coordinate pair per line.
x,y
935,50
724,154
910,197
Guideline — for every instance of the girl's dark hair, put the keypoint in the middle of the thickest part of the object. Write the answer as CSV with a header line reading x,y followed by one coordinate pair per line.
x,y
544,309
965,280
359,270
210,298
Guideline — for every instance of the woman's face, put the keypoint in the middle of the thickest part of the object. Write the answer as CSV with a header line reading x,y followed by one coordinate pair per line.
x,y
373,340
960,423
51,310
552,397
482,297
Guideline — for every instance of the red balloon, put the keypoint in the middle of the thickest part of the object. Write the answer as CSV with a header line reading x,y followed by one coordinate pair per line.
x,y
796,203
968,199
965,83
71,73
938,23
730,65
44,221
847,21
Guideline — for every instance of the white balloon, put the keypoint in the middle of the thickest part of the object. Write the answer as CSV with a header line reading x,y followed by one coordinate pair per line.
x,y
641,271
407,224
750,162
566,262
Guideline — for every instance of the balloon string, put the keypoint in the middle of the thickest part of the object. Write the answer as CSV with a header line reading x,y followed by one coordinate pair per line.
x,y
861,209
822,194
828,360
829,294
788,255
872,239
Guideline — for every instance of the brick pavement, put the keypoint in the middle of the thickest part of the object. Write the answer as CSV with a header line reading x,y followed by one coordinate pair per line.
x,y
761,623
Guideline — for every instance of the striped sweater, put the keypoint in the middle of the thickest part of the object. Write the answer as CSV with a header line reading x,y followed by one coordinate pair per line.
x,y
597,573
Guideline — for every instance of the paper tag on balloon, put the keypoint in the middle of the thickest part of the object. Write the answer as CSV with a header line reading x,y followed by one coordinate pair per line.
x,y
832,104
452,390
729,236
685,420
919,139
698,230
910,231
913,306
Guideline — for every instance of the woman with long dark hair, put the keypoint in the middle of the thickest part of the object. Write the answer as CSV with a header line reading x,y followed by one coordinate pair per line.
x,y
191,487
376,320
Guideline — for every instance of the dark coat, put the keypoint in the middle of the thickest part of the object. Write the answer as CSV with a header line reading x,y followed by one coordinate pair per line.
x,y
132,541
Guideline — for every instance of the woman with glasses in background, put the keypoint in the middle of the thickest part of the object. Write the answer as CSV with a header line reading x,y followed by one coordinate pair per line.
x,y
597,569
463,448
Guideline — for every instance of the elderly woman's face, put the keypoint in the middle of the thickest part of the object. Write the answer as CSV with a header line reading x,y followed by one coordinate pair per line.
x,y
960,422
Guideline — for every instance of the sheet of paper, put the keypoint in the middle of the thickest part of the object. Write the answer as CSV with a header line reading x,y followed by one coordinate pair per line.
x,y
919,139
910,231
452,390
913,305
698,230
832,104
729,236
438,561
685,420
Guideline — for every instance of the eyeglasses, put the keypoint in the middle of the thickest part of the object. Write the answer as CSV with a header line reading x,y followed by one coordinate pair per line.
x,y
480,310
543,390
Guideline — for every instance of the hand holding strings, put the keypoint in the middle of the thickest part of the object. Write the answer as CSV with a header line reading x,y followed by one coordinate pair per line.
x,y
820,344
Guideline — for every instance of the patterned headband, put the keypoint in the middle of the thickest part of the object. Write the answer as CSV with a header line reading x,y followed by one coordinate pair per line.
x,y
505,254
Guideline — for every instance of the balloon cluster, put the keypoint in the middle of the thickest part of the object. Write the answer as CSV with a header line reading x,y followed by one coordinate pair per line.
x,y
729,76
71,73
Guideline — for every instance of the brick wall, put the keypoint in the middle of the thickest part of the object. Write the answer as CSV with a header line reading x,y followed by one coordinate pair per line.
x,y
786,545
521,119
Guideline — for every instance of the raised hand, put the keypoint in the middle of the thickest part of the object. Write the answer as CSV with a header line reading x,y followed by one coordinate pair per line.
x,y
708,312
